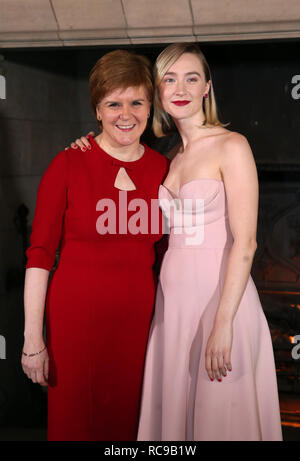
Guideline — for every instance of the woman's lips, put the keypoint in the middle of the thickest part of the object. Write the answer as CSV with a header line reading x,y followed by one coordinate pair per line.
x,y
126,128
181,103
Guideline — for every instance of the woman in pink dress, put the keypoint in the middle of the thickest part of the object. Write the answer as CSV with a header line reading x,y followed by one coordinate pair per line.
x,y
209,372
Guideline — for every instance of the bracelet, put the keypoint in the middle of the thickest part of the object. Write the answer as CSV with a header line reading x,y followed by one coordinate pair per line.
x,y
36,353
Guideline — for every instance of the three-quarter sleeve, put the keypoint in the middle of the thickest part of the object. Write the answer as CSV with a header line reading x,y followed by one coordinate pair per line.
x,y
48,219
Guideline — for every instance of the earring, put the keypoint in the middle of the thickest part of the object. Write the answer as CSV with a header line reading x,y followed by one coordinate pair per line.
x,y
206,95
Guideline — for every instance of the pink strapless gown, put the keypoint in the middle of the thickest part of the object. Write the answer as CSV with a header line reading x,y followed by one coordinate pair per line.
x,y
179,401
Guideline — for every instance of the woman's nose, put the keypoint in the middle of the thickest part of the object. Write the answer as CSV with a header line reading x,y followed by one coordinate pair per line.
x,y
125,112
180,87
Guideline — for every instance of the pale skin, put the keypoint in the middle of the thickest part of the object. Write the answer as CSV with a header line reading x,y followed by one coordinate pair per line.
x,y
36,367
217,153
124,114
225,156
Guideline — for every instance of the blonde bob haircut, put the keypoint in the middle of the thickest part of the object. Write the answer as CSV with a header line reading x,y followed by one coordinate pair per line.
x,y
119,69
162,121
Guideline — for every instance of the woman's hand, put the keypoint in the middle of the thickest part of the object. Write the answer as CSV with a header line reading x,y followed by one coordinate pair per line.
x,y
37,366
218,351
83,142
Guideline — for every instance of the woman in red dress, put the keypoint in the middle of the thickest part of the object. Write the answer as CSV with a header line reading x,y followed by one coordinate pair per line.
x,y
100,299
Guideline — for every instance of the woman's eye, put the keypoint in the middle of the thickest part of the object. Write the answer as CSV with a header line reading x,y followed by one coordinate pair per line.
x,y
169,80
136,103
114,104
192,79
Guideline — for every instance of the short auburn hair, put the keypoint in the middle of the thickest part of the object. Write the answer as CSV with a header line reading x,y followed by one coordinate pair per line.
x,y
119,69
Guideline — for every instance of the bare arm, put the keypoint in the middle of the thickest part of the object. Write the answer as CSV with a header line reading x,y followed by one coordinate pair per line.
x,y
36,367
45,237
36,281
241,185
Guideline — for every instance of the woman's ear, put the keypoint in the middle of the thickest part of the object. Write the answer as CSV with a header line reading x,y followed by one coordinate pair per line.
x,y
98,113
207,88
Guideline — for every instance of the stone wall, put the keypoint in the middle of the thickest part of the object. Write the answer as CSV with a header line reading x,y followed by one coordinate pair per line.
x,y
111,22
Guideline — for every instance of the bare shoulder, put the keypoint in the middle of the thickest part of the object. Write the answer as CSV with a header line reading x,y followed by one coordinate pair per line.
x,y
236,148
237,159
234,142
221,138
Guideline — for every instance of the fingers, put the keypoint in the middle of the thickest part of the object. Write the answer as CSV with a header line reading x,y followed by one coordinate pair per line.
x,y
34,376
217,365
30,373
85,142
40,378
227,360
208,366
26,371
82,143
214,365
37,376
42,373
37,369
46,369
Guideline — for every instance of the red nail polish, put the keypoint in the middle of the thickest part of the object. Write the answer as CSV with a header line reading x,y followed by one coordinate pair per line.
x,y
89,147
83,149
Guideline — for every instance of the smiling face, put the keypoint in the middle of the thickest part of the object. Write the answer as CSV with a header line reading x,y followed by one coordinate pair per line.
x,y
183,87
124,115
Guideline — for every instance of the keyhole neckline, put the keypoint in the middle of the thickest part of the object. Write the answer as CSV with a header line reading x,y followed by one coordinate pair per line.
x,y
115,161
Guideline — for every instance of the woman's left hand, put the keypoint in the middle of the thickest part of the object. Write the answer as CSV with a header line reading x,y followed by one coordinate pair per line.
x,y
218,351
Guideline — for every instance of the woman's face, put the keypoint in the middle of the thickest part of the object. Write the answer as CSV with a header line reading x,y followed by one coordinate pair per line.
x,y
183,87
124,115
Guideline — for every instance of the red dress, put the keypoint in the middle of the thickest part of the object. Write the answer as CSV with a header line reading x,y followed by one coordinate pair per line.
x,y
100,298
